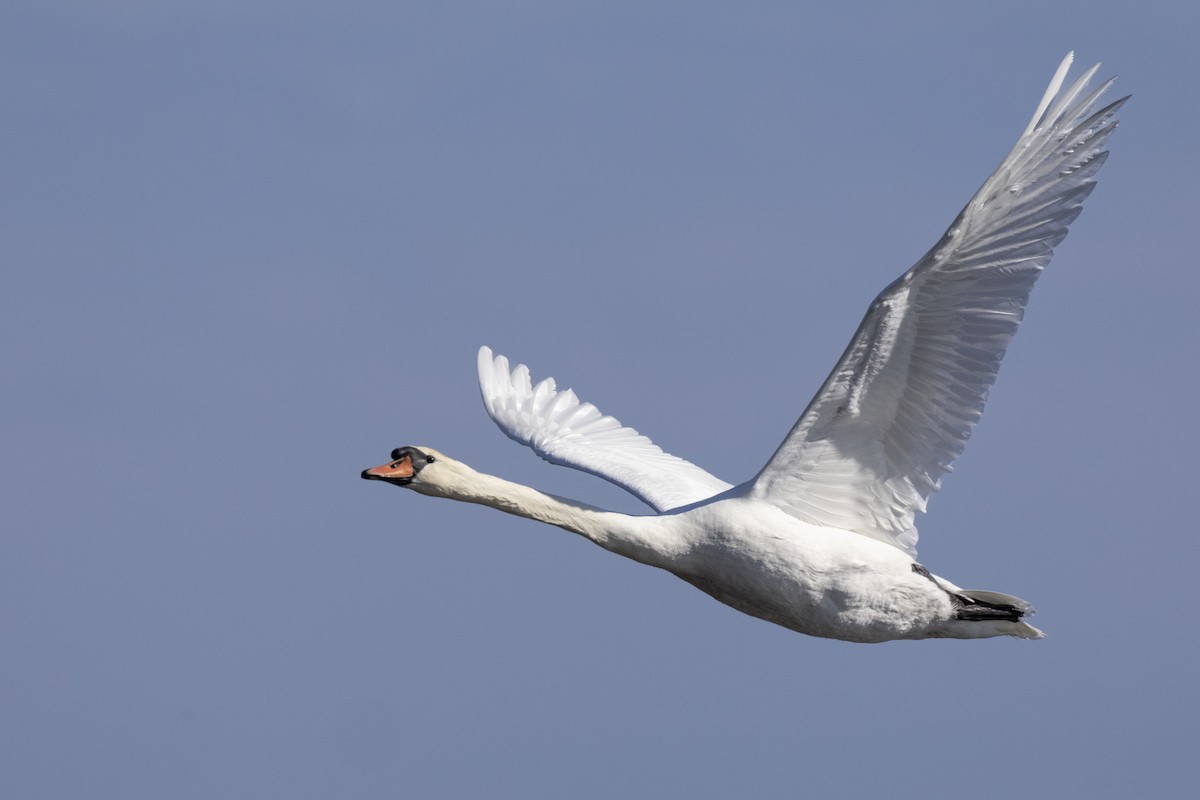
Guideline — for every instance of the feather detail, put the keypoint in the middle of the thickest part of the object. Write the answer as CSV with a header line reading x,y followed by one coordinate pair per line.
x,y
563,430
901,402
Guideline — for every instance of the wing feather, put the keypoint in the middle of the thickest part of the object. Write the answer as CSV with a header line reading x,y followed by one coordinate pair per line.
x,y
563,430
901,402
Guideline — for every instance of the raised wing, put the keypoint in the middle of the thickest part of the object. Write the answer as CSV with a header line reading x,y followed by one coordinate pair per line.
x,y
900,404
564,431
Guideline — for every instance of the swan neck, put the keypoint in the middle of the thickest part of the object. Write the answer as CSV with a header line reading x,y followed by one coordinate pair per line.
x,y
628,535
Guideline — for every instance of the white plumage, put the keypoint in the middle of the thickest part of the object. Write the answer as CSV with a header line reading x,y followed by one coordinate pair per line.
x,y
564,431
822,540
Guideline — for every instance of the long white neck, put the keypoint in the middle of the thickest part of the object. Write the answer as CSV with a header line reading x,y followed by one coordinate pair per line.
x,y
645,539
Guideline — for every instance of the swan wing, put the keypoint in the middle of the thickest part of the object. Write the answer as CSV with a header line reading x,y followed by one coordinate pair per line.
x,y
900,404
562,430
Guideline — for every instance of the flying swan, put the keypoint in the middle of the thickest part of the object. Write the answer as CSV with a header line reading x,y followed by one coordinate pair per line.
x,y
822,540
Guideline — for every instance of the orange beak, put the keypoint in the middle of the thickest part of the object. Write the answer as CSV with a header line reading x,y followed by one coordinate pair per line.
x,y
399,472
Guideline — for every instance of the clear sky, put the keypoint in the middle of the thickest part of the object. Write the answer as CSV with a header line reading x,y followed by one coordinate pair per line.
x,y
250,247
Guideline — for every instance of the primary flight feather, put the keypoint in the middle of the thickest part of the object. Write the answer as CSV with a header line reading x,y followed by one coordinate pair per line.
x,y
822,540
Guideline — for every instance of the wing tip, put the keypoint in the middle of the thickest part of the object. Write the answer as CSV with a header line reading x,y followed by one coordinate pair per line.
x,y
1051,92
495,379
1046,110
485,365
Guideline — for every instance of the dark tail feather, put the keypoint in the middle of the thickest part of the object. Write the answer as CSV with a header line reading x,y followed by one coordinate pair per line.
x,y
974,605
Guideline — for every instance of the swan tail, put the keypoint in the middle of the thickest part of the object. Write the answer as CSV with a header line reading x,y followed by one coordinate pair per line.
x,y
994,614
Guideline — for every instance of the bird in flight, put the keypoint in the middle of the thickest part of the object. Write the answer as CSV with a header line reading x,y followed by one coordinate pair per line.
x,y
823,540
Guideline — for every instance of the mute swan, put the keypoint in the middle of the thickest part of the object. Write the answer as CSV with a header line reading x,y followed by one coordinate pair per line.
x,y
822,540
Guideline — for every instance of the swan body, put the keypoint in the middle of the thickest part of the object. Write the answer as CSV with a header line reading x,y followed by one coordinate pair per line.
x,y
822,540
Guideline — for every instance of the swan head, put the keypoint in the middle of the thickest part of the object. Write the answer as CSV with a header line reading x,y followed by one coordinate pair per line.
x,y
422,469
404,468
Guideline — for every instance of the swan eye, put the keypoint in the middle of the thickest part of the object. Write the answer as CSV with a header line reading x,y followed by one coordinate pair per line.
x,y
429,459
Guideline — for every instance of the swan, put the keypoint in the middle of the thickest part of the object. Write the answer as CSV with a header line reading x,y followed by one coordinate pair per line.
x,y
822,540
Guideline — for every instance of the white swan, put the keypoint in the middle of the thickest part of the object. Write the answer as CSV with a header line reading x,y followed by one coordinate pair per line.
x,y
822,540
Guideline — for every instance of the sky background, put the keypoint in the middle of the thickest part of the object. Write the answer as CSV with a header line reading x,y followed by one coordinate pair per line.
x,y
250,247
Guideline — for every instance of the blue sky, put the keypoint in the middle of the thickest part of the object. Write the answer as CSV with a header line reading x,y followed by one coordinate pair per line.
x,y
250,247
